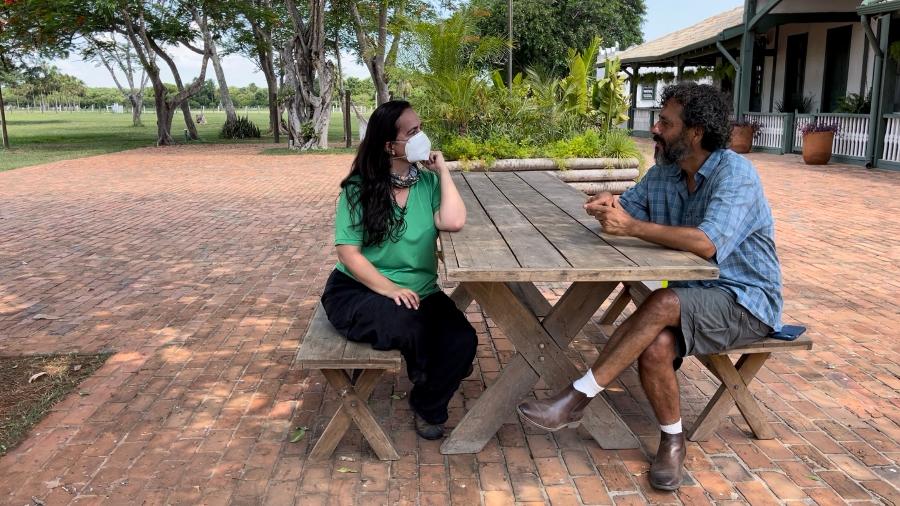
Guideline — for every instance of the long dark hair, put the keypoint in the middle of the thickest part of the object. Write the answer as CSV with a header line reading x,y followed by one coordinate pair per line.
x,y
372,168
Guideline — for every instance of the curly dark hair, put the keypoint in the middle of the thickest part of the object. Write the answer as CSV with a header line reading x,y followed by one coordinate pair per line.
x,y
370,177
704,107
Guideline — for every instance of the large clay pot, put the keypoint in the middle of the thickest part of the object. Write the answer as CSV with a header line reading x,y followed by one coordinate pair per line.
x,y
817,147
741,138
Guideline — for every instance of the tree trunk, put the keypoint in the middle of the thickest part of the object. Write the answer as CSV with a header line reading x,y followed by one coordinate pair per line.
x,y
5,135
188,120
164,116
306,69
380,79
137,104
230,115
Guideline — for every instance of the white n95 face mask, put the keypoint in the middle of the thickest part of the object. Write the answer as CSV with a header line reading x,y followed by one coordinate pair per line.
x,y
418,147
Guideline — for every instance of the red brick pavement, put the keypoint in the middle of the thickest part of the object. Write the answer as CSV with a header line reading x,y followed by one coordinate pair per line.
x,y
200,266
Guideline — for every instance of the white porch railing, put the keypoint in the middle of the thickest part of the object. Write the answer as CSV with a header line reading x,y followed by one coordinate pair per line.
x,y
892,138
771,131
851,139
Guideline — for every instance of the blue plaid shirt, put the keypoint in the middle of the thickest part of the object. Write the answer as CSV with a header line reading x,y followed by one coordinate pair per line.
x,y
730,208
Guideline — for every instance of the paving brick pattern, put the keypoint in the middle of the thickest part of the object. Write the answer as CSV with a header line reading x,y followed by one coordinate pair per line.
x,y
200,266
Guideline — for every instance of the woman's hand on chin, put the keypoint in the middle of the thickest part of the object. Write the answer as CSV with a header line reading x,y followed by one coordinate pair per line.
x,y
435,162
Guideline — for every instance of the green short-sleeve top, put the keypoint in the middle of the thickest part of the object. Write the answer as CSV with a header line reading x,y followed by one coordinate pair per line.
x,y
410,261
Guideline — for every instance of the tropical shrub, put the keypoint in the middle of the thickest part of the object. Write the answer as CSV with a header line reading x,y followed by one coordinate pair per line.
x,y
242,128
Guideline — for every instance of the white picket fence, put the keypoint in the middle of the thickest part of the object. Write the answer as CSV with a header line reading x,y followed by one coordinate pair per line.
x,y
891,151
852,137
771,131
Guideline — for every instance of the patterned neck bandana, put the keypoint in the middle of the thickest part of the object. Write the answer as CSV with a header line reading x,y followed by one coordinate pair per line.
x,y
407,181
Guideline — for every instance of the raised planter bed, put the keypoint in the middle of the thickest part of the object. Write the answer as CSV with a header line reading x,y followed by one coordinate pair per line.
x,y
590,175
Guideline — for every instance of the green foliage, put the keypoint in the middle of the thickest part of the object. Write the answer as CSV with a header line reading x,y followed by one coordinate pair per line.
x,y
618,144
609,101
362,91
894,51
243,128
854,104
587,145
543,30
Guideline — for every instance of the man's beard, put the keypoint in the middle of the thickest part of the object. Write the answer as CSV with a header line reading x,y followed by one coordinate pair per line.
x,y
670,154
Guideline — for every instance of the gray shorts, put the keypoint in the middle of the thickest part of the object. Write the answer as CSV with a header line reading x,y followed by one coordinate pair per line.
x,y
712,321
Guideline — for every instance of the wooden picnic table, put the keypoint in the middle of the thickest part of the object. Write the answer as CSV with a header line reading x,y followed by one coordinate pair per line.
x,y
527,227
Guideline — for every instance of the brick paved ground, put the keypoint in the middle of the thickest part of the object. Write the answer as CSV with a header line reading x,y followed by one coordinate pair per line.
x,y
200,266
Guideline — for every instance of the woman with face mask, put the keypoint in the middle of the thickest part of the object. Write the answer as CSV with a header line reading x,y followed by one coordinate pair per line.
x,y
384,289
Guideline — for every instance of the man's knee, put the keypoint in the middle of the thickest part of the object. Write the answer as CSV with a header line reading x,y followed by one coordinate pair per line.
x,y
662,301
661,351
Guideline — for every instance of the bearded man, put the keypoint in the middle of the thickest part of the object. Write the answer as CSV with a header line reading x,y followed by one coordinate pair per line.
x,y
702,198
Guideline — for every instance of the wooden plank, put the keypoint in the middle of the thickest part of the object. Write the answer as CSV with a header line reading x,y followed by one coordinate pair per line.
x,y
359,411
571,274
769,345
539,349
363,356
580,246
574,309
492,408
321,342
531,248
478,244
462,297
532,298
616,307
641,252
733,390
341,420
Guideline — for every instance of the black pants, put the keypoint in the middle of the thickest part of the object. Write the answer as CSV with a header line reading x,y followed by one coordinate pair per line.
x,y
437,341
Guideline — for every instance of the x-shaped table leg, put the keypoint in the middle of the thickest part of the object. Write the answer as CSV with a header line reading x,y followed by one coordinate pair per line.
x,y
353,409
734,390
540,347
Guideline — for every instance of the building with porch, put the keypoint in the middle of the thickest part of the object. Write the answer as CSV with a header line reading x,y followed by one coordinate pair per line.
x,y
786,63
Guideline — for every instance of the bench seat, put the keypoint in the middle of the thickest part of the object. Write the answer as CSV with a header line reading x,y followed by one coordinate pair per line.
x,y
735,376
324,349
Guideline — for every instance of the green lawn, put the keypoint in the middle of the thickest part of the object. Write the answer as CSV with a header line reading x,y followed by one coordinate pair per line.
x,y
45,137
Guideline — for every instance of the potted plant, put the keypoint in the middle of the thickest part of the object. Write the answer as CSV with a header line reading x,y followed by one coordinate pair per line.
x,y
818,138
743,131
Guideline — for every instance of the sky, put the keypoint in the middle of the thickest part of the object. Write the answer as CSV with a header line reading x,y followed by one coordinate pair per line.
x,y
663,16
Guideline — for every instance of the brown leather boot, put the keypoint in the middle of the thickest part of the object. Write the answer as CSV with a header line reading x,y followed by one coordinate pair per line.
x,y
563,409
668,467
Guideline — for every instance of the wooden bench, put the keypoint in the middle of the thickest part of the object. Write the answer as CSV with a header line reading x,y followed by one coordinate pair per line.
x,y
323,348
735,377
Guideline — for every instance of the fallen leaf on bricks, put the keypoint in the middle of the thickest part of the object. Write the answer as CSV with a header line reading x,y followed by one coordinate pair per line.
x,y
43,316
298,434
38,375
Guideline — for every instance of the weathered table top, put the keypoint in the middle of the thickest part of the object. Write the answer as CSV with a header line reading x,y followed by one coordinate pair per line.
x,y
530,226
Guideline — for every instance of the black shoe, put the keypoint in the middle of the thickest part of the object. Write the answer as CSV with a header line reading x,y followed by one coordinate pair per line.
x,y
430,431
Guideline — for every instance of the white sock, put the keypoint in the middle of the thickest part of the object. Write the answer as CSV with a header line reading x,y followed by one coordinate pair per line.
x,y
587,384
674,428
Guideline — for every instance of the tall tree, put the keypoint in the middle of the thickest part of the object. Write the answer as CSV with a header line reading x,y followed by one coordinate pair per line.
x,y
210,17
378,27
31,30
256,32
150,26
118,56
309,76
542,31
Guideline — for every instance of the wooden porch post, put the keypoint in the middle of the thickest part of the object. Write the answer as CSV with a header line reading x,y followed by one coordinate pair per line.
x,y
876,128
632,84
748,42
